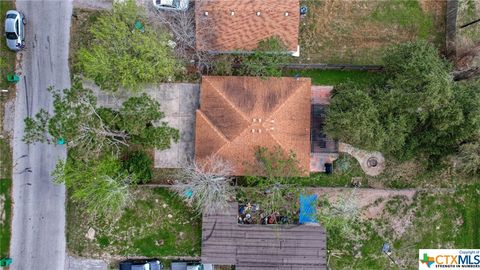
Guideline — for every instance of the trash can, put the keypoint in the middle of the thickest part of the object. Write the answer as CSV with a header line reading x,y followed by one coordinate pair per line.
x,y
328,168
6,261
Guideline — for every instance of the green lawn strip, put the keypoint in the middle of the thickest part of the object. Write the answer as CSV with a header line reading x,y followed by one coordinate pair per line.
x,y
5,199
5,159
336,77
7,57
5,212
144,229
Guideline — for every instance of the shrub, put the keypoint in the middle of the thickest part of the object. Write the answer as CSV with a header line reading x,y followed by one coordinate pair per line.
x,y
139,165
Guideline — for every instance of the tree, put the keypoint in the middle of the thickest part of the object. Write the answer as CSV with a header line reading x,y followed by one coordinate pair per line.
x,y
417,111
266,60
101,185
207,185
93,131
121,55
273,175
138,164
358,124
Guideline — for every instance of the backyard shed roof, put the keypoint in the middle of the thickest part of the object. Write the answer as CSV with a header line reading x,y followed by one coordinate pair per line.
x,y
238,25
239,114
262,247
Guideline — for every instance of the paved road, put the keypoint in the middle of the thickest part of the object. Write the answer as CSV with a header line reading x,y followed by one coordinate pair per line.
x,y
38,233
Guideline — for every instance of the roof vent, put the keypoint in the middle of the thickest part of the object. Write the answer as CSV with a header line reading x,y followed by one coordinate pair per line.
x,y
253,130
206,13
286,13
258,13
232,13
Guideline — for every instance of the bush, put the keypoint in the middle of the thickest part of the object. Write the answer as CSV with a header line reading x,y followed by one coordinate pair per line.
x,y
139,165
266,60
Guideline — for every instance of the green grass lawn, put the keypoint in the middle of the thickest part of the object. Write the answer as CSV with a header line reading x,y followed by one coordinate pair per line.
x,y
336,77
5,199
156,224
7,57
432,220
5,212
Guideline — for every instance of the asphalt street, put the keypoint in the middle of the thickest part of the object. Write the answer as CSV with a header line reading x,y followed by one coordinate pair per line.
x,y
38,232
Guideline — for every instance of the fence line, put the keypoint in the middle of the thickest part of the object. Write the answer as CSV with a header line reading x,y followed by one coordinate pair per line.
x,y
450,28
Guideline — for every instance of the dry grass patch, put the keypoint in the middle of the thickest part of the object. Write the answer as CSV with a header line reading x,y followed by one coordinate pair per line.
x,y
357,32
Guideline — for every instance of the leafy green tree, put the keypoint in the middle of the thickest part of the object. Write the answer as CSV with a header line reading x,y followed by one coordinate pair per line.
x,y
273,174
138,116
266,60
354,118
101,185
93,131
121,55
417,110
139,165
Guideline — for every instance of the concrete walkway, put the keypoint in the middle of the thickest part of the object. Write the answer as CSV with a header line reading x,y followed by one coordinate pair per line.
x,y
77,263
372,163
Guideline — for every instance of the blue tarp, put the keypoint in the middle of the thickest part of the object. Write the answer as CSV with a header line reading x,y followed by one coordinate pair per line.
x,y
308,209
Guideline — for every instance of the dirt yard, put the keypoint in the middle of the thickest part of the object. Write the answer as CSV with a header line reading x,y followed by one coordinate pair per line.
x,y
468,38
356,32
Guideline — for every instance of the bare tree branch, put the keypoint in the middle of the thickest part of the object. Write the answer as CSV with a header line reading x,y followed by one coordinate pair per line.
x,y
206,185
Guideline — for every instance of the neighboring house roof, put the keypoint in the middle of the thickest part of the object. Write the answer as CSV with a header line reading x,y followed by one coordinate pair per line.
x,y
261,247
239,114
238,25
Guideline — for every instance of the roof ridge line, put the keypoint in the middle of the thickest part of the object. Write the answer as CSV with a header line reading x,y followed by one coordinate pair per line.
x,y
286,100
229,102
214,129
278,109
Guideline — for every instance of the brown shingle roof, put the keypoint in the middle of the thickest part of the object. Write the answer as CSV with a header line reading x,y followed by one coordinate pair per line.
x,y
238,114
262,247
221,31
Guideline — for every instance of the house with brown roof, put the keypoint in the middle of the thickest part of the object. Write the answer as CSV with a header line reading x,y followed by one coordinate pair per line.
x,y
225,26
239,114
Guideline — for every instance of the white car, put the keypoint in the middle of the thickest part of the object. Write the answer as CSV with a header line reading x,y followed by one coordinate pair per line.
x,y
15,30
180,5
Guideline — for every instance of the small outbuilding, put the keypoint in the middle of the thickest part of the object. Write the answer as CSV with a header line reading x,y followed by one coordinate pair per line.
x,y
262,247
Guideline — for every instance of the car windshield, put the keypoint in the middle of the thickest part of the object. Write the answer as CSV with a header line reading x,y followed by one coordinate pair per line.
x,y
11,16
170,3
11,35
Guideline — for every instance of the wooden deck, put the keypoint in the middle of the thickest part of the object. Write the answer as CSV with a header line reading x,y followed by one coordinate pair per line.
x,y
256,247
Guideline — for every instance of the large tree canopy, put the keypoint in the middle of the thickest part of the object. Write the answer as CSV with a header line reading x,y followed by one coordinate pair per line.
x,y
358,124
121,55
102,185
91,130
417,110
